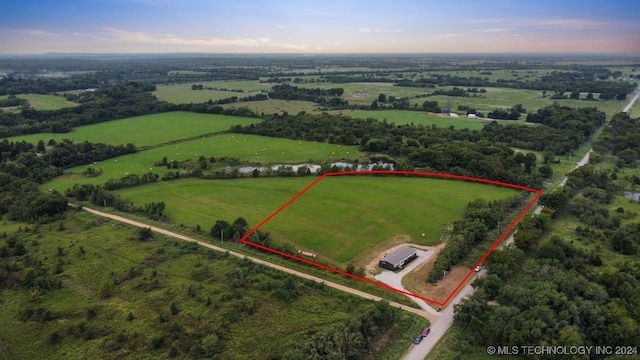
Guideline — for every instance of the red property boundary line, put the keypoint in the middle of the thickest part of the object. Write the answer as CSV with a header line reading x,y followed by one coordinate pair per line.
x,y
508,229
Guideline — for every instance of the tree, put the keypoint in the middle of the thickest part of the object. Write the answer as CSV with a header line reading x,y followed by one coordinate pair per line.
x,y
589,96
221,230
144,234
575,95
382,98
374,105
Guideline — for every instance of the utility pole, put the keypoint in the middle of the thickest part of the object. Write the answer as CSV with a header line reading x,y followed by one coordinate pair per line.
x,y
105,203
222,236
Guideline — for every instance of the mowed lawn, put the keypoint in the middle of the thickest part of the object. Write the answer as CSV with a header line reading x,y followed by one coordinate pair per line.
x,y
339,218
145,130
45,102
250,149
400,117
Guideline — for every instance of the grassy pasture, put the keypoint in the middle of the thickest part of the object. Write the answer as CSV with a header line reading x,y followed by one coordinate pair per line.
x,y
145,130
416,117
93,252
244,147
339,218
273,106
182,93
44,102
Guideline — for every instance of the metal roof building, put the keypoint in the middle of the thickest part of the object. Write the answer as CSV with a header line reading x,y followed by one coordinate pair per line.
x,y
398,259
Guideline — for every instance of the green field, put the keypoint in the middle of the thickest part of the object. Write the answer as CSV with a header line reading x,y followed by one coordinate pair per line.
x,y
400,117
44,102
182,93
164,297
145,130
339,218
249,149
273,106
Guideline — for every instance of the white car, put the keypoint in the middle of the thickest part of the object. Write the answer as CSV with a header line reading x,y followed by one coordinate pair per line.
x,y
478,268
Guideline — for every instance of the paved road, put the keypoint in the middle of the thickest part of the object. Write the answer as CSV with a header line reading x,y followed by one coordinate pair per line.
x,y
340,287
633,101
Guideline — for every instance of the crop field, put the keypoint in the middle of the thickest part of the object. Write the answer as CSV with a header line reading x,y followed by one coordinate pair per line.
x,y
145,130
531,100
249,149
339,218
182,93
400,117
44,102
121,297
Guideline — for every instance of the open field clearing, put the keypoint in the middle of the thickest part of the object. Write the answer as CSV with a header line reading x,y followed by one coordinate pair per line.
x,y
44,102
120,297
182,93
249,149
339,218
400,117
273,106
530,99
145,130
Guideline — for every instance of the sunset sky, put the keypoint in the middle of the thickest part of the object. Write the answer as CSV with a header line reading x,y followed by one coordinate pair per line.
x,y
312,27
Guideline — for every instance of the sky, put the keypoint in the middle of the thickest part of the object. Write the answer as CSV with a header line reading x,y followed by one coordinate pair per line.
x,y
319,26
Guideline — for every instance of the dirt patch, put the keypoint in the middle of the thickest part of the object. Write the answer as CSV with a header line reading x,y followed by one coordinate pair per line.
x,y
415,281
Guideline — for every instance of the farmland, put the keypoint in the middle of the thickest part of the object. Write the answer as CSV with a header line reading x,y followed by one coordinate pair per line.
x,y
182,93
335,218
400,117
247,149
145,130
44,102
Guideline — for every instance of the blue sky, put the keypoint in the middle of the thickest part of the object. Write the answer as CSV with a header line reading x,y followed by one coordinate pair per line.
x,y
327,26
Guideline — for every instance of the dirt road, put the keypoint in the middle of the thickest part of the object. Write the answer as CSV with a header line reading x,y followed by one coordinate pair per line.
x,y
340,287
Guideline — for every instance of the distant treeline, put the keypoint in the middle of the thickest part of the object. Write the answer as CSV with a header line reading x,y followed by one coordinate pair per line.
x,y
593,80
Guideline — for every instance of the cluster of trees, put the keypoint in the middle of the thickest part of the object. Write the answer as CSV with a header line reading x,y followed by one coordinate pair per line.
x,y
582,120
100,196
456,91
479,219
483,153
23,168
19,270
329,97
12,100
109,103
622,139
352,341
511,114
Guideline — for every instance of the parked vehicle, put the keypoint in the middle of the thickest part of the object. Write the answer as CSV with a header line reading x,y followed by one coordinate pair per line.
x,y
422,335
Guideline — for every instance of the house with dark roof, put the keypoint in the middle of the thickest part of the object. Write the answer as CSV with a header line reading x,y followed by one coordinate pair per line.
x,y
398,259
